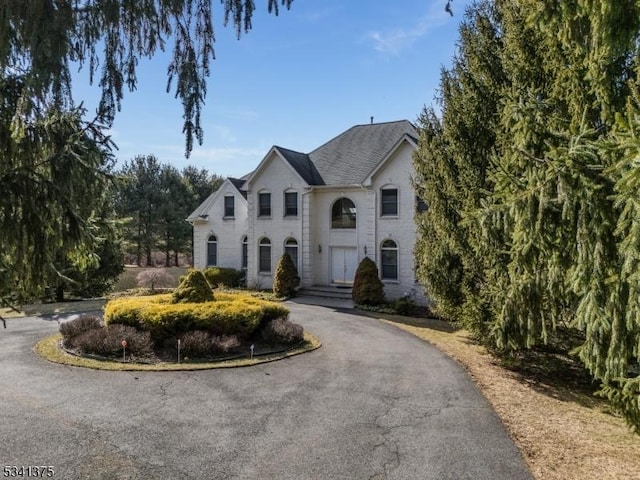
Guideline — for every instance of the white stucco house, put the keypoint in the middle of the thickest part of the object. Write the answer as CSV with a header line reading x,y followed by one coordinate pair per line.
x,y
349,198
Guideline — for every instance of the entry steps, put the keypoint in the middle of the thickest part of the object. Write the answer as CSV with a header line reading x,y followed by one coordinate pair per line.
x,y
342,293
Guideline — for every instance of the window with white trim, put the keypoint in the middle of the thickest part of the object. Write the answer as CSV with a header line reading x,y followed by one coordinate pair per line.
x,y
264,204
343,214
389,202
290,204
212,251
291,249
245,253
264,255
229,206
389,260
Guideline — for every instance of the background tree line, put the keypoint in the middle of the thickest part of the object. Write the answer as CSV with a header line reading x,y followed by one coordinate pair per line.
x,y
532,178
152,200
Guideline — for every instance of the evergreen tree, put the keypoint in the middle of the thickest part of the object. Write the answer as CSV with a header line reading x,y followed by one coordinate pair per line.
x,y
451,164
53,173
285,279
52,159
40,39
550,223
368,289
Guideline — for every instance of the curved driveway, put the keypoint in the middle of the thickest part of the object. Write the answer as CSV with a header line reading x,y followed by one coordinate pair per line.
x,y
373,403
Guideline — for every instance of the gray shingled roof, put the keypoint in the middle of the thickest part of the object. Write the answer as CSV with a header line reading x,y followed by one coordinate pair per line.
x,y
303,165
351,156
238,183
348,158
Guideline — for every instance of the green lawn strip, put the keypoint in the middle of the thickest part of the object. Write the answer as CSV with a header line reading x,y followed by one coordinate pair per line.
x,y
49,349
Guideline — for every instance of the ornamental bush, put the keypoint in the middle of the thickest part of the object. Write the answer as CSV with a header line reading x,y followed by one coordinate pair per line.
x,y
193,289
282,331
155,278
228,277
231,314
367,286
78,326
286,278
108,341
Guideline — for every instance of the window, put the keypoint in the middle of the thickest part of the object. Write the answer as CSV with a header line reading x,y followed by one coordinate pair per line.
x,y
245,253
389,260
343,214
264,255
229,206
389,202
290,204
291,249
212,251
264,204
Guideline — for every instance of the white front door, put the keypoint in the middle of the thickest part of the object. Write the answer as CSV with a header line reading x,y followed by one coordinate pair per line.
x,y
344,261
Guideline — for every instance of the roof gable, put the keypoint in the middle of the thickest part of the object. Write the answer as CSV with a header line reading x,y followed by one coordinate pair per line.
x,y
350,157
411,140
296,161
200,213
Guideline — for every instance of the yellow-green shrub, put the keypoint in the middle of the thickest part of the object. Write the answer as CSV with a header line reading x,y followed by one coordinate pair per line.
x,y
229,314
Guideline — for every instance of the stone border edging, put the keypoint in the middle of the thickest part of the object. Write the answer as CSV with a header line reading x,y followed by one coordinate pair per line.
x,y
49,348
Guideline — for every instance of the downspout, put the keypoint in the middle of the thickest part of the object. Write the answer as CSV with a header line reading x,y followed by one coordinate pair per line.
x,y
304,244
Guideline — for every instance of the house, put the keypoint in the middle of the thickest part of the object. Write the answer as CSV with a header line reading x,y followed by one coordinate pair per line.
x,y
349,198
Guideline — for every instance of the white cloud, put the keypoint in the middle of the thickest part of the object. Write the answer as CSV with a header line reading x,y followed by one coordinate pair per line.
x,y
393,41
223,133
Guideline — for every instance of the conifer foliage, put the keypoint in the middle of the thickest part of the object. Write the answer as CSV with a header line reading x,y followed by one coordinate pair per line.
x,y
194,288
286,278
368,289
532,182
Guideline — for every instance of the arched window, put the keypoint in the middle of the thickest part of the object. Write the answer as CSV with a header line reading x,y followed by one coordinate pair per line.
x,y
291,248
212,251
389,260
343,214
264,255
245,253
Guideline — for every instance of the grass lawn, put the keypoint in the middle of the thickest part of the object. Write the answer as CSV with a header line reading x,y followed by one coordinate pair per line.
x,y
127,279
564,433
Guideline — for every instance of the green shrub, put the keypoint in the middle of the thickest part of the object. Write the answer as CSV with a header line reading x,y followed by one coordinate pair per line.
x,y
367,286
108,341
282,331
193,289
405,306
231,314
286,278
228,277
77,326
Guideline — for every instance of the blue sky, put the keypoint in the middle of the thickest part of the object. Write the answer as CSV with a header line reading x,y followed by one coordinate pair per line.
x,y
296,80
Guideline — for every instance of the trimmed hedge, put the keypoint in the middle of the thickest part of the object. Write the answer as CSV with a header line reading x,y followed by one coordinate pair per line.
x,y
368,289
194,288
286,278
230,314
229,277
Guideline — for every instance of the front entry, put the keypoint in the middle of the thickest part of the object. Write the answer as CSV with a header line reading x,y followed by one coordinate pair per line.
x,y
344,261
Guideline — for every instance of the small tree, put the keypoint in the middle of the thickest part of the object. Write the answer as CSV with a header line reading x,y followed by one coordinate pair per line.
x,y
367,286
157,277
194,288
286,278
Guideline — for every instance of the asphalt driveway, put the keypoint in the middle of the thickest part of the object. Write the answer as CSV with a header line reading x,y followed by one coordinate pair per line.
x,y
373,403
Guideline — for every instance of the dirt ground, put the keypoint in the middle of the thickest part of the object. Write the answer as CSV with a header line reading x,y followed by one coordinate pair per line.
x,y
563,433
